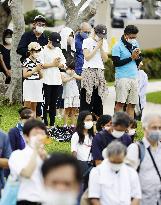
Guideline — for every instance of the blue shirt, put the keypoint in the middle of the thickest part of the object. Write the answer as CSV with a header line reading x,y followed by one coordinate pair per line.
x,y
5,152
79,57
129,70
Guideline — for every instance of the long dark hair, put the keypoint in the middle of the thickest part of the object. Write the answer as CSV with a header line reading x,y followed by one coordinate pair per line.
x,y
80,126
7,32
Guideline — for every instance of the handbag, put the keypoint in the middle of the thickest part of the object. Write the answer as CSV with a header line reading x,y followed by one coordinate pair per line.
x,y
10,193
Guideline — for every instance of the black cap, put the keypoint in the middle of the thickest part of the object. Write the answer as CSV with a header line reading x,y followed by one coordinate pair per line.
x,y
55,38
40,18
101,31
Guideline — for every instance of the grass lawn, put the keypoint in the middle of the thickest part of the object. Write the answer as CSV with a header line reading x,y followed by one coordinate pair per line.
x,y
154,97
10,118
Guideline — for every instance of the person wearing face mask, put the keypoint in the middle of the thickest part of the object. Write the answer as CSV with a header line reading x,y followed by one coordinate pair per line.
x,y
93,86
113,182
82,139
32,74
53,60
104,123
70,93
145,157
62,177
117,131
84,32
5,49
15,134
126,57
26,164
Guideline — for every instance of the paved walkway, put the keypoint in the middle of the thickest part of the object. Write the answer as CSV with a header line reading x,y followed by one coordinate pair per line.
x,y
150,107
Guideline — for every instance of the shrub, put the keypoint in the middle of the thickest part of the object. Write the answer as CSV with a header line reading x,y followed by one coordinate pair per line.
x,y
30,15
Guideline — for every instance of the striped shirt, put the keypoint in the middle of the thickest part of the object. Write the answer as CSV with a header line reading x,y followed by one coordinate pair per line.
x,y
30,65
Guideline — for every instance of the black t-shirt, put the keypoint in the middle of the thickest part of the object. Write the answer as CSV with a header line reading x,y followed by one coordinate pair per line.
x,y
103,139
6,57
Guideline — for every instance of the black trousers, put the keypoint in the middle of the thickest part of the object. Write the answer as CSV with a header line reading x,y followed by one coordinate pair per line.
x,y
95,106
50,99
27,203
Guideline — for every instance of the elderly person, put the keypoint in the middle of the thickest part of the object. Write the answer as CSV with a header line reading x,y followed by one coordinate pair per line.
x,y
84,32
145,156
113,182
95,50
120,124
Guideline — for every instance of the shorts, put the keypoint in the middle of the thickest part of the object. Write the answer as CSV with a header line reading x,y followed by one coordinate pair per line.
x,y
127,91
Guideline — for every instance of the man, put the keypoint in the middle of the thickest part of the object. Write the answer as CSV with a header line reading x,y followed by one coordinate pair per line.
x,y
36,35
140,158
114,182
5,152
126,58
62,178
85,29
95,50
120,125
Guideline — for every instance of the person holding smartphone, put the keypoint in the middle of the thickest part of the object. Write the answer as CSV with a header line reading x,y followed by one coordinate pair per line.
x,y
126,57
53,60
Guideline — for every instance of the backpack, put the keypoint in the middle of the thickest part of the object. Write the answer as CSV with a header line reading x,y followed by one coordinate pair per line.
x,y
141,148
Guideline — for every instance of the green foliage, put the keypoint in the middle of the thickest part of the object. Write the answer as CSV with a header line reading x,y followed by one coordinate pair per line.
x,y
152,65
154,97
30,15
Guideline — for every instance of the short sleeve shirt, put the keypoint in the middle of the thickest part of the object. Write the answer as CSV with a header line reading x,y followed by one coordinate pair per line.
x,y
83,150
101,141
96,61
128,70
6,57
30,65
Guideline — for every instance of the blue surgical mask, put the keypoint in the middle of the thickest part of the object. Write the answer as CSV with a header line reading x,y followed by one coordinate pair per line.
x,y
84,35
154,135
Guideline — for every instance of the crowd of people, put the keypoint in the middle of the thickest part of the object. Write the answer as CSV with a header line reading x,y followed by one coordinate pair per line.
x,y
64,72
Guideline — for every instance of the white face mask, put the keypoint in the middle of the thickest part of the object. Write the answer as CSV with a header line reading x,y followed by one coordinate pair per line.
x,y
40,29
88,125
97,38
132,41
33,141
8,40
52,197
115,167
117,134
132,132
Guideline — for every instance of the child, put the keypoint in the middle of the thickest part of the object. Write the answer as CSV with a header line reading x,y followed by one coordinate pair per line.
x,y
32,73
132,129
70,92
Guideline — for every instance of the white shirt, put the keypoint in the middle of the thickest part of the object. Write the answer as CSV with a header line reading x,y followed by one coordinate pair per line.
x,y
30,189
83,150
96,61
114,188
52,76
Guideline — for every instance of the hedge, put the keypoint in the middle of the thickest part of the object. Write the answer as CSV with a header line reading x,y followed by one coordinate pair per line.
x,y
152,65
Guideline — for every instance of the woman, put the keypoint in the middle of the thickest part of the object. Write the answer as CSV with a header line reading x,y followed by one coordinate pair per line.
x,y
5,49
95,50
104,123
81,141
32,73
26,164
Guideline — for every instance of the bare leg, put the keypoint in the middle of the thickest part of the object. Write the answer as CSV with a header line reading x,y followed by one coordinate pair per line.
x,y
27,104
119,107
130,110
73,115
33,107
66,115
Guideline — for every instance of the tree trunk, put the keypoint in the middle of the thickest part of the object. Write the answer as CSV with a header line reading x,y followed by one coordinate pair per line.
x,y
5,16
14,92
74,18
149,9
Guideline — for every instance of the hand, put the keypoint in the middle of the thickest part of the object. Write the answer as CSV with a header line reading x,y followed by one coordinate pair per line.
x,y
99,44
56,62
38,68
42,153
8,73
135,55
